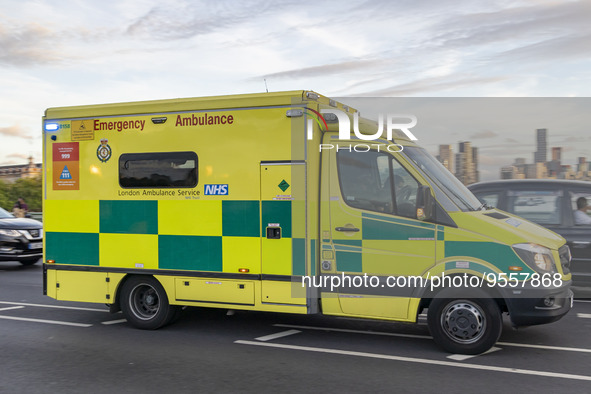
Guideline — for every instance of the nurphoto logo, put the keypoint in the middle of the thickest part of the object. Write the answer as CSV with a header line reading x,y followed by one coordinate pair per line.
x,y
345,129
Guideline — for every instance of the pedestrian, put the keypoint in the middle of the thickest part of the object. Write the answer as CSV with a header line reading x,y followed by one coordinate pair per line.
x,y
20,209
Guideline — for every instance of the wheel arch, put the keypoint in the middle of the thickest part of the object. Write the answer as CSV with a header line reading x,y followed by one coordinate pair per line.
x,y
428,294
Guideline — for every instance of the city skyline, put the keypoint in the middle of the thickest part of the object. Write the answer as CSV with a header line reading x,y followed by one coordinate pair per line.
x,y
466,163
502,128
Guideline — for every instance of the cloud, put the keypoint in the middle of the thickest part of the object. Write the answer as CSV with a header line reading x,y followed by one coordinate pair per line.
x,y
326,69
571,46
514,25
26,45
484,134
186,19
432,85
15,131
21,156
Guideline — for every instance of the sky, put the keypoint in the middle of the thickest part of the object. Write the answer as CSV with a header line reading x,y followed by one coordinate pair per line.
x,y
60,53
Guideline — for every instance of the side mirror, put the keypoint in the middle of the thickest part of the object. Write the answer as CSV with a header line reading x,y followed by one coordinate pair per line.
x,y
425,203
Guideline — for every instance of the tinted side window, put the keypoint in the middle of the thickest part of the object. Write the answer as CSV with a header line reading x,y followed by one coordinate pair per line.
x,y
489,198
158,170
581,215
538,206
366,183
405,191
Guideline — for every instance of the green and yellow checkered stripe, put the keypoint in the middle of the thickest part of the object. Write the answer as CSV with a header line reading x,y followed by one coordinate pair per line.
x,y
219,236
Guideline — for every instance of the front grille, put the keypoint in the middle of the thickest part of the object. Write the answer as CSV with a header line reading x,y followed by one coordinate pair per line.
x,y
565,257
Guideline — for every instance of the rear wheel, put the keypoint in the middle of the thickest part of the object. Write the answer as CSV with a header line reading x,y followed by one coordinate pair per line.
x,y
144,303
464,322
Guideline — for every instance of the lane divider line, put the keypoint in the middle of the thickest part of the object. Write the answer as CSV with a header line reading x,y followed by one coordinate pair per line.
x,y
391,334
114,322
62,323
546,374
11,308
54,306
277,335
462,357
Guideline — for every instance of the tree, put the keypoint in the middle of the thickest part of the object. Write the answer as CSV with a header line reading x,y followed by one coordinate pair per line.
x,y
5,201
28,188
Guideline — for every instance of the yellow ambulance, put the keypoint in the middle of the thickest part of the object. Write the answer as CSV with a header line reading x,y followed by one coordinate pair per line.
x,y
282,202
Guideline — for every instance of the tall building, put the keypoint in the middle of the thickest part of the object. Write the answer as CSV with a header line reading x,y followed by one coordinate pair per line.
x,y
465,163
582,164
475,164
556,153
446,157
536,171
542,146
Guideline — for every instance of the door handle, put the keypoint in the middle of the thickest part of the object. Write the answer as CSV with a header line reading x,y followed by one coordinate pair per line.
x,y
353,229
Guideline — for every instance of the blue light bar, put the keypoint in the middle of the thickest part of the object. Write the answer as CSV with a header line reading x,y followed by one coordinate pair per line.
x,y
52,126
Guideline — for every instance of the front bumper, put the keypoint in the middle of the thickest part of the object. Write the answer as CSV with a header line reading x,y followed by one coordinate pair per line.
x,y
529,305
19,249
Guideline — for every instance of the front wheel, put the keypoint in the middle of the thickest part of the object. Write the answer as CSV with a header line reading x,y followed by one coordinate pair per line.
x,y
464,323
144,303
29,261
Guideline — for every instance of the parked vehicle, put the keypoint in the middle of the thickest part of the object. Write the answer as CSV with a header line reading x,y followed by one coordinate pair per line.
x,y
20,239
551,203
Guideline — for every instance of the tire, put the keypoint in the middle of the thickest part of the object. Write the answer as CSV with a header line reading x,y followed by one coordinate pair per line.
x,y
144,303
464,321
29,261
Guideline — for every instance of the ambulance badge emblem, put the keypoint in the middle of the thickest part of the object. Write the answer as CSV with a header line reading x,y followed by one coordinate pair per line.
x,y
104,151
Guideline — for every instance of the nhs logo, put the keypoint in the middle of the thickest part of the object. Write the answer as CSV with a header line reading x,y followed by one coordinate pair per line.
x,y
219,190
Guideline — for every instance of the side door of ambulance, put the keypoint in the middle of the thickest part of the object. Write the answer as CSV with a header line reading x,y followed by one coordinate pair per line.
x,y
283,231
374,231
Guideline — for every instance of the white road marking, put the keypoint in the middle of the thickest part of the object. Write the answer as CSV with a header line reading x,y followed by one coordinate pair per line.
x,y
63,323
391,334
55,306
419,360
462,357
11,307
546,347
583,301
114,321
584,315
277,335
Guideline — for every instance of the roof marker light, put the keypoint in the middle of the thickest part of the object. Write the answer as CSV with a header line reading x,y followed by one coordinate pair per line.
x,y
312,95
294,113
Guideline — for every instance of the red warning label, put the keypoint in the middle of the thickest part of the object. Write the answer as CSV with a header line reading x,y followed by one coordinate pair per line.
x,y
66,166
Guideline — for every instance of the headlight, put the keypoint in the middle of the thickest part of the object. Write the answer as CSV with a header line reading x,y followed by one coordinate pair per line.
x,y
537,257
9,233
